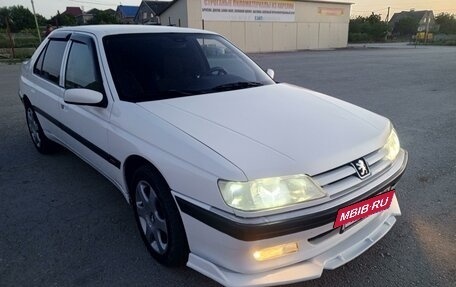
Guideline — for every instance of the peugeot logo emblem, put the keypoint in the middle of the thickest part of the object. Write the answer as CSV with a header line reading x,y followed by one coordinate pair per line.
x,y
361,167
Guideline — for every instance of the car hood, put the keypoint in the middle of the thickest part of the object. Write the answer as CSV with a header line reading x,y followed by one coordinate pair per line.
x,y
276,129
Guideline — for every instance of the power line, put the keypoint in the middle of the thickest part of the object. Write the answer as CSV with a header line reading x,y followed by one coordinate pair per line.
x,y
93,2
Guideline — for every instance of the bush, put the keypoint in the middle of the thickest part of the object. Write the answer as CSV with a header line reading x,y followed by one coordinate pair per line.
x,y
358,37
367,29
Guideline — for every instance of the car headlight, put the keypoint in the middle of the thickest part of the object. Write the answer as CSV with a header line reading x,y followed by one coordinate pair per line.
x,y
392,145
270,192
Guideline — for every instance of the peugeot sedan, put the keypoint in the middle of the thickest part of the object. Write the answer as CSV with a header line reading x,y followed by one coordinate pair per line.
x,y
227,171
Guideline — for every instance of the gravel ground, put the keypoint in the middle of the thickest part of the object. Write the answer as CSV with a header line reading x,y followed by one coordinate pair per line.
x,y
63,224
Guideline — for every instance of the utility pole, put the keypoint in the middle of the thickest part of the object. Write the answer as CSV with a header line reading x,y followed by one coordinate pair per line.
x,y
387,24
36,21
426,33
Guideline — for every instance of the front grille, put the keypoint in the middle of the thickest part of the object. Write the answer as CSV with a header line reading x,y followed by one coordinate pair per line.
x,y
343,179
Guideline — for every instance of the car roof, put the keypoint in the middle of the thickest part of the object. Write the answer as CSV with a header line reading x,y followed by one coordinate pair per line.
x,y
104,30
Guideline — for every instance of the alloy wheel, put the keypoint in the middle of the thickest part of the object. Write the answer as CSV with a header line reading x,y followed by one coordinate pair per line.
x,y
151,217
33,127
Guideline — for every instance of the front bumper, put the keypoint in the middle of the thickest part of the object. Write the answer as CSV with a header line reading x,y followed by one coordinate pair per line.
x,y
358,240
224,252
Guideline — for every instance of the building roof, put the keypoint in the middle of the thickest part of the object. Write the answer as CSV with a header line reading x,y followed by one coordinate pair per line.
x,y
73,11
158,6
418,15
127,11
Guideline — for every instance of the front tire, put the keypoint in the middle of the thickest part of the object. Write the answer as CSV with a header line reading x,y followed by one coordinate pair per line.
x,y
41,142
158,218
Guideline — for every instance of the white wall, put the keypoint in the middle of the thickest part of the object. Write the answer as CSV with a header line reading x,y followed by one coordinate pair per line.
x,y
312,29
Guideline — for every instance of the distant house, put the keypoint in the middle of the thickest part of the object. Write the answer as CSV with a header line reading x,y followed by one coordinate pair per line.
x,y
88,16
424,19
80,16
73,11
126,14
149,11
85,17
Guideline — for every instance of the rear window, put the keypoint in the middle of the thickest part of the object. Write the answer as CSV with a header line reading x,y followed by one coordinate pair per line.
x,y
50,61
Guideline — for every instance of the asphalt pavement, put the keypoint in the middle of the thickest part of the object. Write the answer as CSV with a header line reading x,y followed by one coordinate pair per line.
x,y
63,224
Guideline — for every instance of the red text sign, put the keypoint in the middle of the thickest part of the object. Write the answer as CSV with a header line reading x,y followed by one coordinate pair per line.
x,y
364,208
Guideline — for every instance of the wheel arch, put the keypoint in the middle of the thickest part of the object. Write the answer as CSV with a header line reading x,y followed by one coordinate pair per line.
x,y
26,101
131,164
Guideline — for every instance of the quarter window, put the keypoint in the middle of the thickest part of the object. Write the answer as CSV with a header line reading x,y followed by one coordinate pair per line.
x,y
82,68
39,63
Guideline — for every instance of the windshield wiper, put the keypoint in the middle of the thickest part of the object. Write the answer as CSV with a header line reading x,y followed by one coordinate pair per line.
x,y
235,86
177,93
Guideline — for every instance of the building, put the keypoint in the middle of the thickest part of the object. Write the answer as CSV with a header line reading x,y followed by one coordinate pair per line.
x,y
266,25
149,10
86,17
80,16
126,14
73,11
425,20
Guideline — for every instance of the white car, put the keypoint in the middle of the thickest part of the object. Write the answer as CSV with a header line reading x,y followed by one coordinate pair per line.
x,y
228,172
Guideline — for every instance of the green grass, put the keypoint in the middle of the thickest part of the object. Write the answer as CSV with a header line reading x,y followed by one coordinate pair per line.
x,y
24,46
21,40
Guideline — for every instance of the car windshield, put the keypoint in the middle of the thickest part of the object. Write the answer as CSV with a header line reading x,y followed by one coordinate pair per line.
x,y
157,66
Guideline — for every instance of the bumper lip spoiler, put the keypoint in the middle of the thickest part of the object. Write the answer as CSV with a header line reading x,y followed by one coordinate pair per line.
x,y
259,231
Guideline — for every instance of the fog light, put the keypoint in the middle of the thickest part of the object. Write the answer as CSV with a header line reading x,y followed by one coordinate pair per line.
x,y
275,251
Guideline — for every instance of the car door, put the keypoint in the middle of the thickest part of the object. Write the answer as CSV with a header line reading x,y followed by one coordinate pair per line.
x,y
86,125
44,87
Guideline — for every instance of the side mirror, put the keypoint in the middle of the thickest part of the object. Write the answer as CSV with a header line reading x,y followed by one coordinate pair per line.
x,y
270,73
82,97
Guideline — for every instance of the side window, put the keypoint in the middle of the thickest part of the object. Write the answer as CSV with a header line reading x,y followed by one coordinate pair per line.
x,y
82,70
53,61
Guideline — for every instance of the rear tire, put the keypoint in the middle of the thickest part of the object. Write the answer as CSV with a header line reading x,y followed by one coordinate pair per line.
x,y
158,218
42,143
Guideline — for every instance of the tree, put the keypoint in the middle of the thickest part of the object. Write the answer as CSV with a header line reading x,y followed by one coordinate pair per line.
x,y
447,23
42,21
406,26
103,17
366,29
22,18
60,20
374,18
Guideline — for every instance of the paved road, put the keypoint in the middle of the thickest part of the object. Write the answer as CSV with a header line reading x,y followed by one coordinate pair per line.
x,y
63,224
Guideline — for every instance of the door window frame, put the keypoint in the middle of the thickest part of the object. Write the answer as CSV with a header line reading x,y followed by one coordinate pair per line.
x,y
90,42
